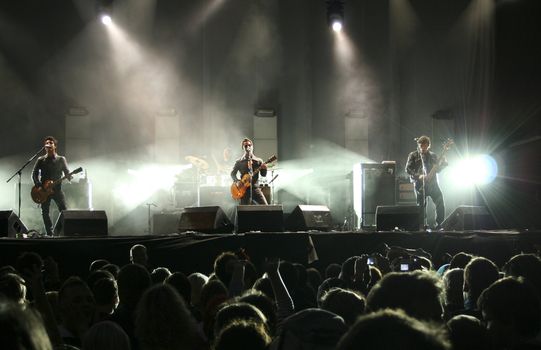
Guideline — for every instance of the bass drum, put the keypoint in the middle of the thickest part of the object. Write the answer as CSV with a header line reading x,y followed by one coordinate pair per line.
x,y
266,189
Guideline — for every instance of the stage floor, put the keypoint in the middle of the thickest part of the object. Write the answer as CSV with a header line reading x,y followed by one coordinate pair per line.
x,y
196,252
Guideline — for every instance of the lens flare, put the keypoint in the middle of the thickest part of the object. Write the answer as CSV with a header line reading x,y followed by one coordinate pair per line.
x,y
477,170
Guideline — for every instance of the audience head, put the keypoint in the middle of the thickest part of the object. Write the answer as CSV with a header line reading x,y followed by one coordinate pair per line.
x,y
213,294
163,321
27,261
467,332
197,281
347,304
96,275
333,270
512,312
527,266
138,255
314,278
224,265
133,280
242,334
159,275
106,335
453,282
237,311
327,285
180,282
21,328
265,304
314,329
478,275
112,268
13,287
76,305
391,330
105,293
418,293
97,264
460,260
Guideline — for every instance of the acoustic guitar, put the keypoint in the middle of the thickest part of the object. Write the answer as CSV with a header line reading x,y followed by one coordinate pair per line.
x,y
239,188
42,193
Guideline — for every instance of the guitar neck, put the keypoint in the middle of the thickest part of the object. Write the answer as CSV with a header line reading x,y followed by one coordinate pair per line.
x,y
267,162
76,171
437,165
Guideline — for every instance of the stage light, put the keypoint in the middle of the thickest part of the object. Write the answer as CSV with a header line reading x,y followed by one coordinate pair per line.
x,y
106,19
337,26
477,170
335,14
104,9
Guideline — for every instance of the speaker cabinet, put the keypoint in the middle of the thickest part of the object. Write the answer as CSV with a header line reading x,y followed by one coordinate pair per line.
x,y
81,223
204,219
263,218
403,217
468,217
377,188
309,217
10,224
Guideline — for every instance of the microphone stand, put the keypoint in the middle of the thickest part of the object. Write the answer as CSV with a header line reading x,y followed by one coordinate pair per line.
x,y
149,230
423,191
251,172
19,172
272,185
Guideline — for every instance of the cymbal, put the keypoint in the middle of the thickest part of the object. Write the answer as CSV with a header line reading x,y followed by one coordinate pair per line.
x,y
198,162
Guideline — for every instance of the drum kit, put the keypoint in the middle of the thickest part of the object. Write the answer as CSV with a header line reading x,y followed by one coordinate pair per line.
x,y
212,182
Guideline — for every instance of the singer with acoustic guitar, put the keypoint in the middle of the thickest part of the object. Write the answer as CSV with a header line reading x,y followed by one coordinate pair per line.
x,y
47,172
422,167
249,166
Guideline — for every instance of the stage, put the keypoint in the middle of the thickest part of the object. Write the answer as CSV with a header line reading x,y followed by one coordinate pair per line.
x,y
196,252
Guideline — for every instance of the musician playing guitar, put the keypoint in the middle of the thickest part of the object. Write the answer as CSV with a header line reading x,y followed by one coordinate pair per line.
x,y
422,167
249,164
50,167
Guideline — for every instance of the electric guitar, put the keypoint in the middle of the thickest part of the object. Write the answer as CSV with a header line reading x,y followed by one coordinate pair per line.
x,y
41,194
432,173
239,188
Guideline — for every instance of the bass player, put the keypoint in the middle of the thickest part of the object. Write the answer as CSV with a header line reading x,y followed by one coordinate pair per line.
x,y
420,165
249,164
50,167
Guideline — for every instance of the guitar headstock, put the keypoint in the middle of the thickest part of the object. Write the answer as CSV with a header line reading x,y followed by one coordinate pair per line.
x,y
448,144
271,159
77,171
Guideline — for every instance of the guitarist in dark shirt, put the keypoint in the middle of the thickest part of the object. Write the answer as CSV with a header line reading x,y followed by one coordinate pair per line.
x,y
50,167
248,164
422,167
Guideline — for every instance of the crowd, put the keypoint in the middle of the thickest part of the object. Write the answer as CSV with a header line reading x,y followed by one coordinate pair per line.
x,y
395,299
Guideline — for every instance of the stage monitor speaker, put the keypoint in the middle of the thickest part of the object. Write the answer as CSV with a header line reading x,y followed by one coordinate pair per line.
x,y
377,188
10,224
210,219
81,223
468,217
262,218
403,217
309,217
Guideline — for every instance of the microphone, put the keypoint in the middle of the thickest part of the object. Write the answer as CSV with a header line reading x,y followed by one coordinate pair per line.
x,y
415,139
